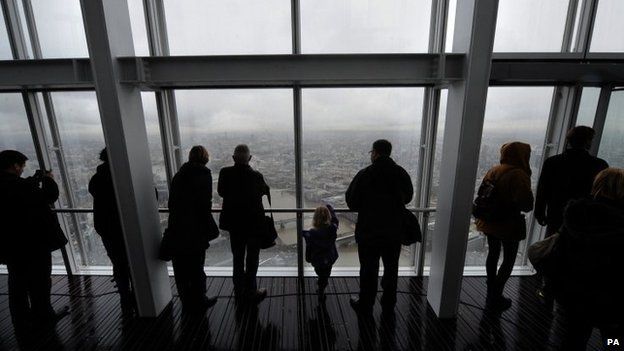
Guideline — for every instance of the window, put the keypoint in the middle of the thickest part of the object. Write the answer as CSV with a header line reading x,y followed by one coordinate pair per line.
x,y
511,114
262,119
365,26
612,140
339,127
139,30
155,146
530,25
587,107
212,27
60,28
5,47
15,132
607,25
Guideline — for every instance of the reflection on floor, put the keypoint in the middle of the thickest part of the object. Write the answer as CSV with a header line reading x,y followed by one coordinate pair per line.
x,y
288,321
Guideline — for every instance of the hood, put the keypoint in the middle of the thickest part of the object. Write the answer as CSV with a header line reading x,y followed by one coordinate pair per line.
x,y
516,154
595,221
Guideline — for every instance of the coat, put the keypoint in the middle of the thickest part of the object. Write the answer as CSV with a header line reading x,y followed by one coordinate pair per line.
x,y
379,194
564,177
241,188
29,226
190,207
512,180
321,243
105,212
588,254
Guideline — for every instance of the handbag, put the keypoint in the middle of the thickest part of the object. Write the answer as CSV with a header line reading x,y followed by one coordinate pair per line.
x,y
269,233
539,253
411,228
168,246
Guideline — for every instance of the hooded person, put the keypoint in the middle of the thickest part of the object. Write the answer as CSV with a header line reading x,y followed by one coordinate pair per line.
x,y
589,265
512,184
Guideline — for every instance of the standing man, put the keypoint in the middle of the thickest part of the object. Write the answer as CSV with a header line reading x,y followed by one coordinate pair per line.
x,y
567,176
242,188
108,225
379,194
28,234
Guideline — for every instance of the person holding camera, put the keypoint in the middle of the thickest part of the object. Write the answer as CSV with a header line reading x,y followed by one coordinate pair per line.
x,y
29,233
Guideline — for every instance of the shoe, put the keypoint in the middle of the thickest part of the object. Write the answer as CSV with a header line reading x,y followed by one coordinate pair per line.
x,y
499,303
208,302
258,295
359,308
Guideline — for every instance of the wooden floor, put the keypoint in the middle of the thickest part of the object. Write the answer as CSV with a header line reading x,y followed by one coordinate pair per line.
x,y
287,321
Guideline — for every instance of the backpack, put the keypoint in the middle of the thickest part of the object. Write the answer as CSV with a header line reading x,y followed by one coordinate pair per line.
x,y
488,206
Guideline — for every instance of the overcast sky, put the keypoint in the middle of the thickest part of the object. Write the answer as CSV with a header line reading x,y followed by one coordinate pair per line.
x,y
201,27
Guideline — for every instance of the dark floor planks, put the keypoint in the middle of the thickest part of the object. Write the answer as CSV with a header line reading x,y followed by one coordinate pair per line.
x,y
292,318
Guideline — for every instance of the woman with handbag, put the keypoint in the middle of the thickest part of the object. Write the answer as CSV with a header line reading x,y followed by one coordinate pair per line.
x,y
191,227
503,195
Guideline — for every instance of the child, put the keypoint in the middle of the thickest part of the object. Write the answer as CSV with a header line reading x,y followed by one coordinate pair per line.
x,y
321,245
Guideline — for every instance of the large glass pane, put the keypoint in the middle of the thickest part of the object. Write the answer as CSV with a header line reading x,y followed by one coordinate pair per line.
x,y
213,27
14,130
612,141
81,133
587,107
339,127
262,119
360,26
60,28
155,146
137,24
5,47
511,114
607,26
530,25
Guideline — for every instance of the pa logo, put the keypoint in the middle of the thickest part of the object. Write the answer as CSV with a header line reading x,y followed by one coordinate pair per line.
x,y
613,342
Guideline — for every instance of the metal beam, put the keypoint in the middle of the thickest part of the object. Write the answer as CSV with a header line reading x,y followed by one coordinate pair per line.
x,y
107,27
475,23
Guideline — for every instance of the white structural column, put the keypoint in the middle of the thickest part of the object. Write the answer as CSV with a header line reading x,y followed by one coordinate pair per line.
x,y
475,23
107,25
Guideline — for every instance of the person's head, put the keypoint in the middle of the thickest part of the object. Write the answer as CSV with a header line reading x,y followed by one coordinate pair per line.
x,y
241,155
13,162
609,184
381,147
198,154
580,137
516,154
321,218
104,155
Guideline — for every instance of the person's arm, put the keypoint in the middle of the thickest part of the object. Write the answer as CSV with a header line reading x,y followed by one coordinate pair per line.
x,y
204,194
265,189
521,192
353,196
334,218
50,190
542,194
407,189
222,187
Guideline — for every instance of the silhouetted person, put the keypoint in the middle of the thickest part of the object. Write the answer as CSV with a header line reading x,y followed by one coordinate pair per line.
x,y
379,193
190,220
512,189
589,264
242,188
321,245
565,177
28,230
108,225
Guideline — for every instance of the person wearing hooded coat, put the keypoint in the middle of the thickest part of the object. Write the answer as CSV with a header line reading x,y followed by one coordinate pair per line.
x,y
191,222
512,179
587,269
